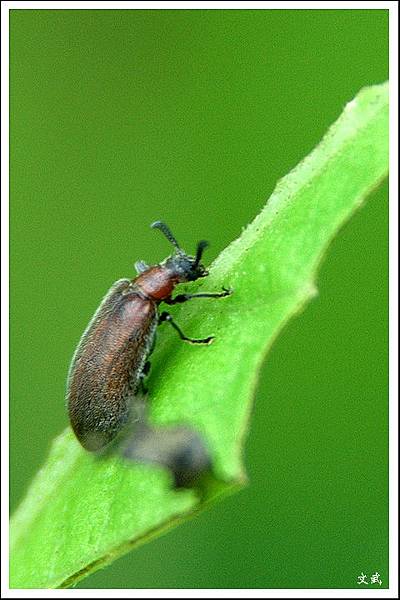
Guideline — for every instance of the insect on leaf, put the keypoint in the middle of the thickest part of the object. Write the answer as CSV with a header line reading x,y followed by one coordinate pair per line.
x,y
82,512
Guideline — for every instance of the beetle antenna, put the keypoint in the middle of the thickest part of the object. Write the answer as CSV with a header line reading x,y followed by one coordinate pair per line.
x,y
201,246
168,234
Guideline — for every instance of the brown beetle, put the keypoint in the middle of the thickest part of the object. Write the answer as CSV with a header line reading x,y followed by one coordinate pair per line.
x,y
111,359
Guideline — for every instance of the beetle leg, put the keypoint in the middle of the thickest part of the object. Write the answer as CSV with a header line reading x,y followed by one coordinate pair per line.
x,y
145,371
146,367
165,316
185,297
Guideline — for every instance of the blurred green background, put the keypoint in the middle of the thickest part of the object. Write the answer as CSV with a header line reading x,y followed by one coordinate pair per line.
x,y
121,117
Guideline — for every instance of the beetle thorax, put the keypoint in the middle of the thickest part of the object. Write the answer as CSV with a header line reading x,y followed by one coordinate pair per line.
x,y
157,282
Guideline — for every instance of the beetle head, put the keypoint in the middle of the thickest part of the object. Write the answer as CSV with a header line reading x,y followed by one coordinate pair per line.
x,y
184,266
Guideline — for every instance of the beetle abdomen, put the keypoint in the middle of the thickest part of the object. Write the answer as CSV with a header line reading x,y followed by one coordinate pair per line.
x,y
108,363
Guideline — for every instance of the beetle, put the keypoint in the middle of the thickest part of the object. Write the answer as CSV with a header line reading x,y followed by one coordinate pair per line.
x,y
111,359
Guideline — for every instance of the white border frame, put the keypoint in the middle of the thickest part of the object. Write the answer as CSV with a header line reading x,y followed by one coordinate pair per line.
x,y
391,592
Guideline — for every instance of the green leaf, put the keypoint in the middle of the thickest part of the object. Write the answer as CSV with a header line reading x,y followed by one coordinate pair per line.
x,y
82,512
